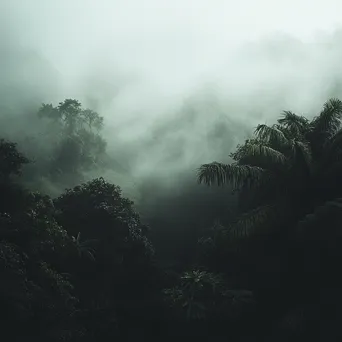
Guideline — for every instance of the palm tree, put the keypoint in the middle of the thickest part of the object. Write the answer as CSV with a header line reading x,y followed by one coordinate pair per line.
x,y
285,170
84,248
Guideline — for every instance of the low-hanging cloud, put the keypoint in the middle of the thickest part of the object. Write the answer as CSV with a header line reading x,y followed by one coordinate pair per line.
x,y
165,75
179,82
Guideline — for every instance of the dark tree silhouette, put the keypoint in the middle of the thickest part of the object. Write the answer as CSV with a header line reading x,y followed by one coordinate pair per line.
x,y
81,266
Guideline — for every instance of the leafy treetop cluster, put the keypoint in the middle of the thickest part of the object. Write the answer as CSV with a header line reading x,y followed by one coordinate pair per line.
x,y
80,267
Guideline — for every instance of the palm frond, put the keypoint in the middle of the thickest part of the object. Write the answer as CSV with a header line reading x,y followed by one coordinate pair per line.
x,y
294,124
260,150
302,155
90,253
271,135
259,154
254,220
233,174
239,154
334,146
329,120
85,247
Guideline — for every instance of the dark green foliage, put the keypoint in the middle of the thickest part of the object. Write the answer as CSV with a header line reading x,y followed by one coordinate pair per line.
x,y
78,143
33,247
81,267
69,283
12,196
11,160
288,181
281,167
202,294
69,144
119,270
120,233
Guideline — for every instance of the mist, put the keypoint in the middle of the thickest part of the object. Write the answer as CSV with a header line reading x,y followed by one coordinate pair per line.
x,y
179,83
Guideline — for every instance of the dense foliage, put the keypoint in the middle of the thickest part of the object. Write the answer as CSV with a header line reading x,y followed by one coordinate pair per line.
x,y
81,266
67,143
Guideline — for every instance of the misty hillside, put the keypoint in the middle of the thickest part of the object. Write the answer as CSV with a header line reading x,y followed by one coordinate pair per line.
x,y
170,170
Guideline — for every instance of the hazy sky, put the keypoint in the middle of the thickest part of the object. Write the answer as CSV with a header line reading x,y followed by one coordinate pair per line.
x,y
173,42
139,60
179,83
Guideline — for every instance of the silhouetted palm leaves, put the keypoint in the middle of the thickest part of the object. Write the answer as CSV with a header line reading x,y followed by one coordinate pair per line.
x,y
283,161
224,173
85,248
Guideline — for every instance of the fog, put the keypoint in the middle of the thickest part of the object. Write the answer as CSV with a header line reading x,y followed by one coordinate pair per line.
x,y
179,83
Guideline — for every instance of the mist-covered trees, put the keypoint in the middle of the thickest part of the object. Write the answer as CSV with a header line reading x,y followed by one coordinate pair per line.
x,y
81,266
32,245
11,161
284,168
68,266
288,231
100,214
79,145
67,143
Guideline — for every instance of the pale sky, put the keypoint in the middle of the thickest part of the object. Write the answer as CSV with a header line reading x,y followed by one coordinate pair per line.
x,y
147,56
145,34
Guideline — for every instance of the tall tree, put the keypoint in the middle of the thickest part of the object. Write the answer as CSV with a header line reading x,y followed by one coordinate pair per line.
x,y
75,132
288,180
282,173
